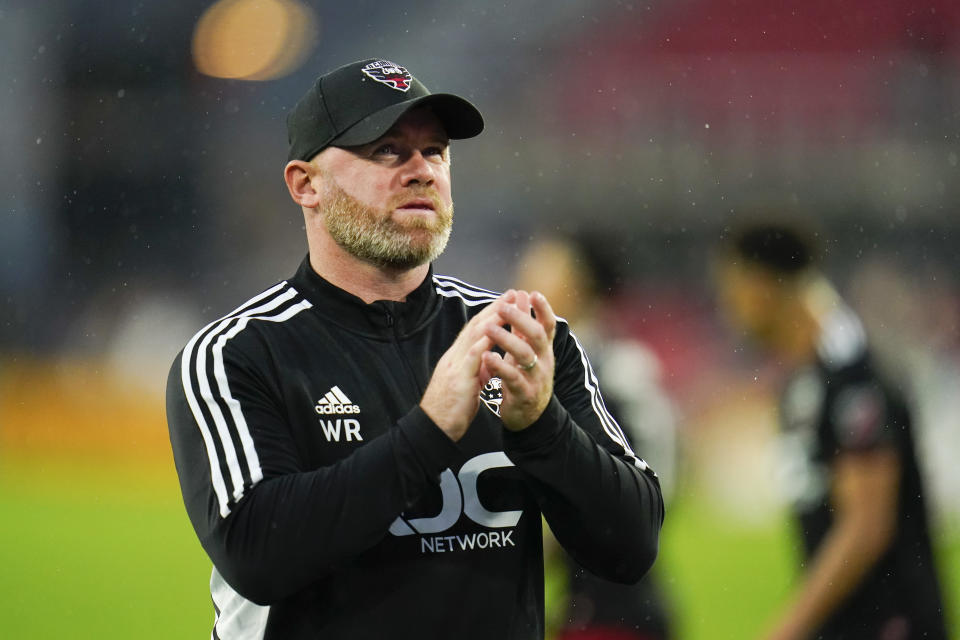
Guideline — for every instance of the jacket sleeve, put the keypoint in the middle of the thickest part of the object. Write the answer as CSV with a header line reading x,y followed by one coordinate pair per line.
x,y
602,502
271,527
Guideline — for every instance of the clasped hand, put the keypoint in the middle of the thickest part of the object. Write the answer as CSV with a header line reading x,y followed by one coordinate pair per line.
x,y
525,368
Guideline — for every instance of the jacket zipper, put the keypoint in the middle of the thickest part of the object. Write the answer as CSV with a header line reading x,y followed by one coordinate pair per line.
x,y
403,358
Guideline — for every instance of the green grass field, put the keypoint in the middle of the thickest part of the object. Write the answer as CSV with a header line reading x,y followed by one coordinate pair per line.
x,y
99,550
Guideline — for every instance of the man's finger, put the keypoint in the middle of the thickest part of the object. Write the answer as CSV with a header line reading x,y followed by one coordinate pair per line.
x,y
485,374
476,328
523,301
508,373
476,350
526,325
511,343
544,314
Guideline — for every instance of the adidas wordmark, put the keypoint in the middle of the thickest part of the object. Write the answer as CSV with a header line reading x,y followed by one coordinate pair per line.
x,y
335,402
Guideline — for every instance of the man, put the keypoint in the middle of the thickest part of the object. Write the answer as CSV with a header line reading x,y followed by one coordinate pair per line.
x,y
365,450
852,473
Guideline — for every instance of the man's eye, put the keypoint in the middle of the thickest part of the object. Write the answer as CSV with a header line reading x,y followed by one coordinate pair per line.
x,y
385,150
433,151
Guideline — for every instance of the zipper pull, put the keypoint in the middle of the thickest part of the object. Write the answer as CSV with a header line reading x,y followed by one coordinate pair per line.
x,y
389,319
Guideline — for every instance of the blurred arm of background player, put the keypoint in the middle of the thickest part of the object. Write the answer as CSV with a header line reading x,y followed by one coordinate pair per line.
x,y
864,497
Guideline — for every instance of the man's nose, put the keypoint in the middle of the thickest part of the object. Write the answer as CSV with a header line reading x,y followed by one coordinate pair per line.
x,y
417,170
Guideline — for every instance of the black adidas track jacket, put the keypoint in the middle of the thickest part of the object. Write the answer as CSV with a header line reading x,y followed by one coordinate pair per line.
x,y
332,507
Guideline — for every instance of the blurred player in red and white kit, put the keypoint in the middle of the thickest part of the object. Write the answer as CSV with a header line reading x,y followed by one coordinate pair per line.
x,y
573,272
850,465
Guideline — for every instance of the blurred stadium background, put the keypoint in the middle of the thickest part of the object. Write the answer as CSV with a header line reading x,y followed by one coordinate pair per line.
x,y
140,176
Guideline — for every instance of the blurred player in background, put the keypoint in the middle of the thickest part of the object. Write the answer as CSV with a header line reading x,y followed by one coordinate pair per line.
x,y
850,465
576,277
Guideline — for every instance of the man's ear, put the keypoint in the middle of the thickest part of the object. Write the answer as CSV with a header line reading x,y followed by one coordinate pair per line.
x,y
299,178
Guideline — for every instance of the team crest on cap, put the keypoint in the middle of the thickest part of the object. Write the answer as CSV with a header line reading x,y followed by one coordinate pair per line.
x,y
389,73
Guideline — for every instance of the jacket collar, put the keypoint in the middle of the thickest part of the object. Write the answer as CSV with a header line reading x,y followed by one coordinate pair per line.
x,y
380,319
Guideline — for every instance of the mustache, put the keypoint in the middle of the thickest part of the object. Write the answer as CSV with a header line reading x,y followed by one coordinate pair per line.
x,y
428,193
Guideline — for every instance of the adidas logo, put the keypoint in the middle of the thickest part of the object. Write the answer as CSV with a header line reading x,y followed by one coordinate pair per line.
x,y
335,402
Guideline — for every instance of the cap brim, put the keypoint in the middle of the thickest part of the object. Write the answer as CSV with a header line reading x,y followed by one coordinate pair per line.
x,y
459,118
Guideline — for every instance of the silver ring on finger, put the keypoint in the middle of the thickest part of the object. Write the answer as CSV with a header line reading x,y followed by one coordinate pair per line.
x,y
529,365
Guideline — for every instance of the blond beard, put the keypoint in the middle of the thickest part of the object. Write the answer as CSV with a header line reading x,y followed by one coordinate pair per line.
x,y
374,236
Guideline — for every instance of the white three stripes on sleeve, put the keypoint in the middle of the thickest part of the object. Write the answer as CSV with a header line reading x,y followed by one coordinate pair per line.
x,y
473,296
610,425
196,384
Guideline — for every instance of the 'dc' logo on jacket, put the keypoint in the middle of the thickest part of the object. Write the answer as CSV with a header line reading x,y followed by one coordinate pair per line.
x,y
453,505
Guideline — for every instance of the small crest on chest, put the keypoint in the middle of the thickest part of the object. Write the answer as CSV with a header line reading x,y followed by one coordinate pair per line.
x,y
492,395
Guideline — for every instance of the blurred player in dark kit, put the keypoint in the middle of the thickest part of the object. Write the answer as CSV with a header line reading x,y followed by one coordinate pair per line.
x,y
849,466
575,273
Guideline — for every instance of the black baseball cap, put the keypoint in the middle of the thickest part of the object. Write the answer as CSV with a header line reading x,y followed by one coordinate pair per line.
x,y
360,101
